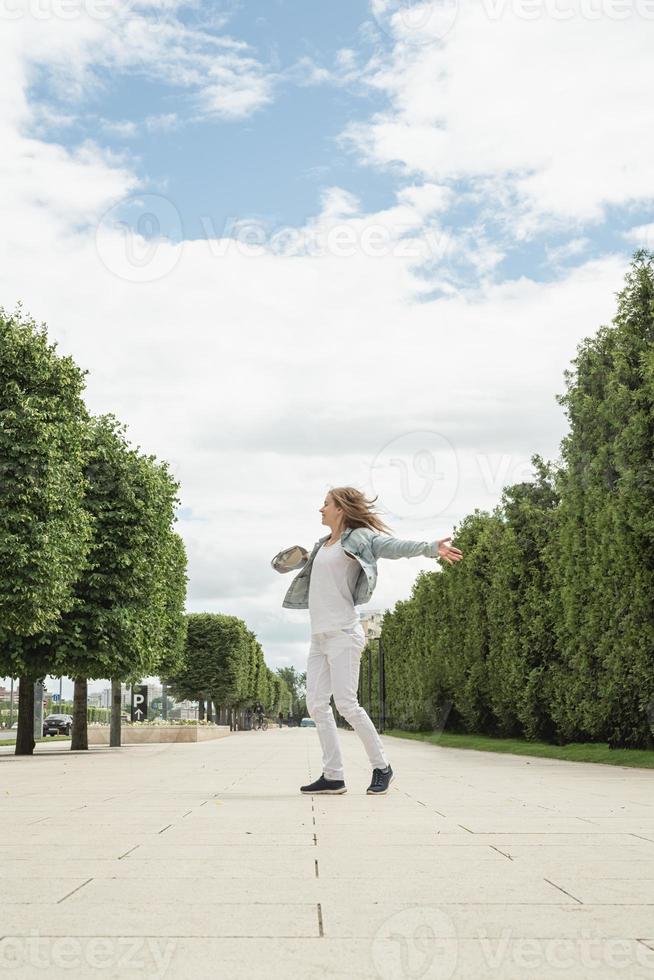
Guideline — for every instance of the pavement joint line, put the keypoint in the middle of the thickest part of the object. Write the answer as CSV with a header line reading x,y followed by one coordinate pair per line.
x,y
640,837
315,861
59,901
121,856
500,852
238,935
321,932
164,828
465,828
554,885
189,935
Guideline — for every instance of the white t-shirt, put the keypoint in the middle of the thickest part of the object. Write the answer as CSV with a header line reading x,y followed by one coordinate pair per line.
x,y
331,588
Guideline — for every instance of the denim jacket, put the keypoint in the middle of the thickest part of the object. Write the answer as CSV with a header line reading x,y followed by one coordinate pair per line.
x,y
366,546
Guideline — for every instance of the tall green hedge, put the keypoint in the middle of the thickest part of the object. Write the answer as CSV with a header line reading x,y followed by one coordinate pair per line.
x,y
545,629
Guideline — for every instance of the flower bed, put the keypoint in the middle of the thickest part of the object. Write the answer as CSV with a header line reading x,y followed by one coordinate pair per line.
x,y
140,732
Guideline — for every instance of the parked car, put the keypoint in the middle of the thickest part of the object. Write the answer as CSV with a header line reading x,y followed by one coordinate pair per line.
x,y
57,725
307,723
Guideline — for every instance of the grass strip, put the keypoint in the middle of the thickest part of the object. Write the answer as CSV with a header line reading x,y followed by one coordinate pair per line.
x,y
598,752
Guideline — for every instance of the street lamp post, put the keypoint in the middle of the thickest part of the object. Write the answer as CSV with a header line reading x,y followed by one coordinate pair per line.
x,y
382,687
369,680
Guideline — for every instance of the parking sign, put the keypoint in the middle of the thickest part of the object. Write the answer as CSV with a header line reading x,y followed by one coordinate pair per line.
x,y
140,702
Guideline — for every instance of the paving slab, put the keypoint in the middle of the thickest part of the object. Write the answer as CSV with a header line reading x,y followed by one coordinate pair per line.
x,y
168,860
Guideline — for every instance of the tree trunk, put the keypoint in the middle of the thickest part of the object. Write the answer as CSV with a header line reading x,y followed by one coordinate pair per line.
x,y
200,710
80,737
116,711
164,701
209,711
25,732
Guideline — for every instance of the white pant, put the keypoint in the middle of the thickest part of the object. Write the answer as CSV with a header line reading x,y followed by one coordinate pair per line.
x,y
333,668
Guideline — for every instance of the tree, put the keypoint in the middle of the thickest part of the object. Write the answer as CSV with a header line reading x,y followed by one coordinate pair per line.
x,y
224,664
215,661
45,530
124,622
605,688
295,684
522,652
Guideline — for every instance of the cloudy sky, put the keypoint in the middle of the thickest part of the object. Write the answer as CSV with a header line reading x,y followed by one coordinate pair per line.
x,y
299,245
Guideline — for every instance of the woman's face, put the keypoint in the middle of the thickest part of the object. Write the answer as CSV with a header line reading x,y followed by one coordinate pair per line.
x,y
331,512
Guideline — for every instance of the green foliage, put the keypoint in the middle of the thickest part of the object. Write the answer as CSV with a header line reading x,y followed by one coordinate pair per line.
x,y
545,630
44,527
292,690
223,662
126,618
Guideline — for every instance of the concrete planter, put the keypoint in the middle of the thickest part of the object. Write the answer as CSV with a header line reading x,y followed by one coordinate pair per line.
x,y
158,733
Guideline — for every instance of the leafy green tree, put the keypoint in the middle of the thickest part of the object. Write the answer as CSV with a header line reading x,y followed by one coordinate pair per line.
x,y
214,665
223,664
45,530
295,684
124,622
522,646
605,687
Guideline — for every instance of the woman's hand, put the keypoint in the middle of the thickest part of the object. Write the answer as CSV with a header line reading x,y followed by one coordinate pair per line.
x,y
448,552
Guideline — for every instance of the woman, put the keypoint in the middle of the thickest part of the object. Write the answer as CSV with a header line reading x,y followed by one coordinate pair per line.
x,y
340,573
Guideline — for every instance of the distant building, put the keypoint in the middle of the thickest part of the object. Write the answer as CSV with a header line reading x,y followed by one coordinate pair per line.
x,y
184,711
371,621
105,696
6,694
154,691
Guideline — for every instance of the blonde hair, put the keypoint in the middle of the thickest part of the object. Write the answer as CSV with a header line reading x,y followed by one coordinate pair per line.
x,y
357,508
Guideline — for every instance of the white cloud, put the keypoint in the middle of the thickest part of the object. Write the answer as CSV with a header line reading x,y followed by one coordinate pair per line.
x,y
426,198
123,128
571,249
162,122
557,110
220,74
642,236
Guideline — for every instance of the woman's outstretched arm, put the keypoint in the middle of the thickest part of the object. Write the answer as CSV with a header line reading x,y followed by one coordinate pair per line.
x,y
384,546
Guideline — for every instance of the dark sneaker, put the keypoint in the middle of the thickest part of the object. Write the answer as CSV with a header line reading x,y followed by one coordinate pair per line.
x,y
323,785
381,780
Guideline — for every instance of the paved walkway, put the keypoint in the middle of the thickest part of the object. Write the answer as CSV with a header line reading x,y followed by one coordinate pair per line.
x,y
204,860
